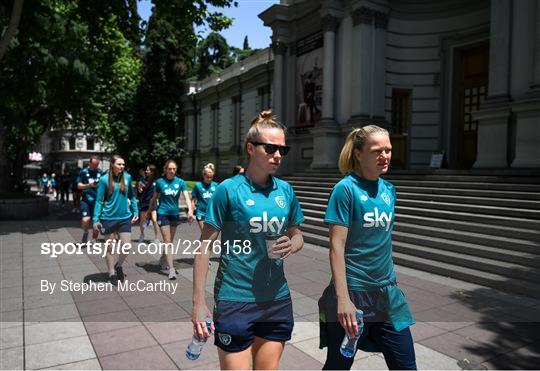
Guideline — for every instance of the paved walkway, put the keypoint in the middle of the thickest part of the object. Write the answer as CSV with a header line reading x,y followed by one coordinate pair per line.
x,y
460,325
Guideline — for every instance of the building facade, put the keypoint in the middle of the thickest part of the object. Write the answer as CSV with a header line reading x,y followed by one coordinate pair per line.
x,y
455,77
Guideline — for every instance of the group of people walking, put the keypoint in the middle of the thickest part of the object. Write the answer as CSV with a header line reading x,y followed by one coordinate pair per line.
x,y
259,219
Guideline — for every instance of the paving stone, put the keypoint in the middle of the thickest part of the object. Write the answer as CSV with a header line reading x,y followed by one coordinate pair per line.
x,y
110,321
142,300
303,331
311,348
11,337
151,358
59,352
51,313
168,332
373,362
89,364
100,306
45,300
8,305
305,306
162,313
177,352
11,292
11,319
294,359
121,340
459,348
424,330
43,332
12,358
428,359
526,358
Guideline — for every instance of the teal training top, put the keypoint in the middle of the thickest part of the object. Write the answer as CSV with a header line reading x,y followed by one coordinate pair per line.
x,y
169,192
115,206
244,213
366,208
203,192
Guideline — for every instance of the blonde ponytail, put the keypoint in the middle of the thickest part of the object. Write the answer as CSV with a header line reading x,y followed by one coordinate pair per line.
x,y
356,140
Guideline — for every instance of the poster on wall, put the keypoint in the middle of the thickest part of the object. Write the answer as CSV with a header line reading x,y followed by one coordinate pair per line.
x,y
309,76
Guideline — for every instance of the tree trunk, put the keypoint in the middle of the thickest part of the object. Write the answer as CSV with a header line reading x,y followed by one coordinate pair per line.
x,y
12,28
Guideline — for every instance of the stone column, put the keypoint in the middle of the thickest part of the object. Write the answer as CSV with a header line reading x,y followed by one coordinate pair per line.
x,y
379,66
279,48
527,111
362,66
330,24
493,116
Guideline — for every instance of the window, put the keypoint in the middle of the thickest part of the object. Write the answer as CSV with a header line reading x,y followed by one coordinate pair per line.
x,y
72,143
90,144
401,112
263,95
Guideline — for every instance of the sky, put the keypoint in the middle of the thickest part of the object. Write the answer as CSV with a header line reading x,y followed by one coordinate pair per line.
x,y
245,22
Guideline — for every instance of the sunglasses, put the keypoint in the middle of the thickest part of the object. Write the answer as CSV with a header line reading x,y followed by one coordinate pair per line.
x,y
272,148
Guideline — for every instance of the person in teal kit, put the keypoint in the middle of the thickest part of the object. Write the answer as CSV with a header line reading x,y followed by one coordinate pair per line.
x,y
115,211
168,190
360,215
203,192
253,315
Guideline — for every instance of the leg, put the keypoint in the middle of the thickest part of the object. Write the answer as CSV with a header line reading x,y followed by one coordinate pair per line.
x,y
267,353
85,225
141,225
169,254
155,224
109,258
125,239
334,359
201,224
234,361
397,347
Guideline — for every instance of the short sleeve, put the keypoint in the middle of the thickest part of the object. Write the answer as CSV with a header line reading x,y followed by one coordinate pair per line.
x,y
339,206
183,186
195,192
218,207
296,217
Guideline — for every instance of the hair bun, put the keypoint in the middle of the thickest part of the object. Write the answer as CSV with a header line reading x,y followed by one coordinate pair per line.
x,y
210,166
265,114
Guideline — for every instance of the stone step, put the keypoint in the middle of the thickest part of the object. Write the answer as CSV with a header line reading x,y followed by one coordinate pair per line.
x,y
493,280
510,249
492,195
326,183
490,279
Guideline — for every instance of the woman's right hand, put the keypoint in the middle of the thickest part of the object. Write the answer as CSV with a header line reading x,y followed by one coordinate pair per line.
x,y
199,313
346,312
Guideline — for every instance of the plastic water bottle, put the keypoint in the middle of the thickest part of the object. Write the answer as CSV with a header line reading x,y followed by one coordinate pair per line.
x,y
194,349
348,345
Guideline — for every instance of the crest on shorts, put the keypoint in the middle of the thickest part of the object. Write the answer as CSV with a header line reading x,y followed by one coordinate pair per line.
x,y
280,201
225,339
386,198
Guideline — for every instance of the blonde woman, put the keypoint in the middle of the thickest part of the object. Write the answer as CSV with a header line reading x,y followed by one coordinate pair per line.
x,y
253,315
168,190
360,214
202,193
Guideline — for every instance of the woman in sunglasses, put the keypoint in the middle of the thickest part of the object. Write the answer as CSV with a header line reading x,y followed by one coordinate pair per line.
x,y
360,214
258,216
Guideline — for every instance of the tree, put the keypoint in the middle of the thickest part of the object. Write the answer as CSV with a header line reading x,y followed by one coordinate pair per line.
x,y
246,43
66,68
13,24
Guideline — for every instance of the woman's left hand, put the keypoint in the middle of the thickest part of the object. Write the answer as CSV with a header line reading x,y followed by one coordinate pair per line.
x,y
134,219
284,247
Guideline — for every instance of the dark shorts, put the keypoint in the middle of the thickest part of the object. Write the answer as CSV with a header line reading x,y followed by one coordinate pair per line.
x,y
237,323
120,226
172,220
144,208
87,208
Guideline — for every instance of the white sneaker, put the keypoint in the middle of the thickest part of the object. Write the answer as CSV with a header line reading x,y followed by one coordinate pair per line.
x,y
172,274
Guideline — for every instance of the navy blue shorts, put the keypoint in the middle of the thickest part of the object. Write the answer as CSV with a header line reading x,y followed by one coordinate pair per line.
x,y
111,226
172,220
87,208
237,323
144,208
